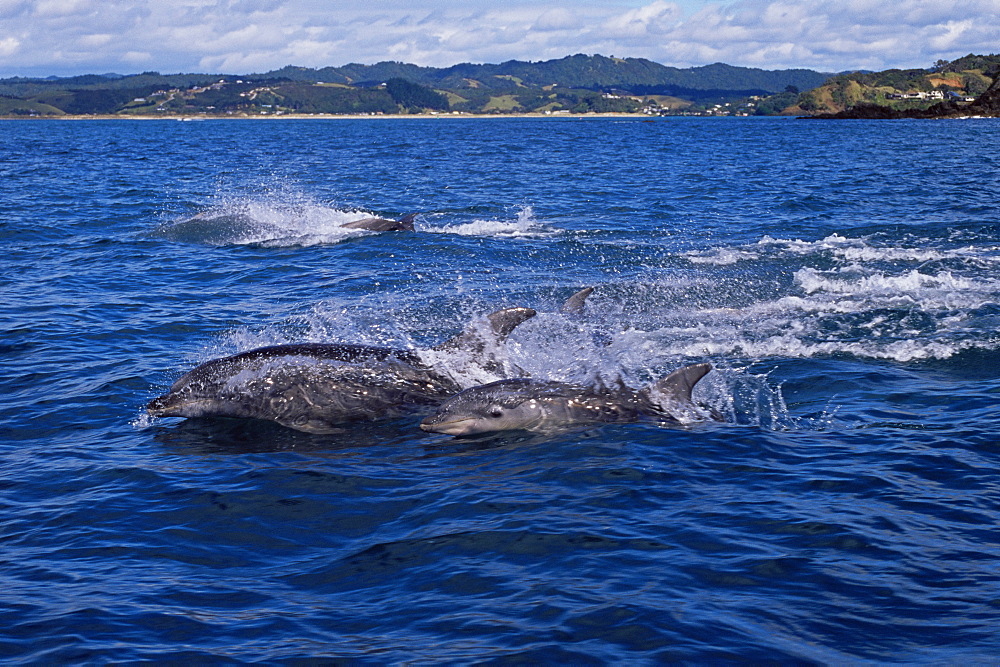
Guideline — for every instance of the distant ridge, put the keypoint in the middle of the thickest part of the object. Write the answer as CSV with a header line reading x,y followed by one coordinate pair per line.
x,y
578,71
574,84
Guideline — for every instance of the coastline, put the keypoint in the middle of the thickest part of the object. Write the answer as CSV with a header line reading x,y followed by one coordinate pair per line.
x,y
290,116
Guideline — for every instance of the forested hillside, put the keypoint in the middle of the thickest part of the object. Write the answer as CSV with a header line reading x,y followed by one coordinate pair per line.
x,y
959,81
576,83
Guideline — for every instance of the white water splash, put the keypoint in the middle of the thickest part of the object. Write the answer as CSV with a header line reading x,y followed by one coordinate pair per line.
x,y
842,248
720,256
267,223
285,218
929,299
524,226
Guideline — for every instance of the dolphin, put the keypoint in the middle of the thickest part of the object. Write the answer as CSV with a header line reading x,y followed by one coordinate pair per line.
x,y
216,226
316,387
575,304
404,224
534,405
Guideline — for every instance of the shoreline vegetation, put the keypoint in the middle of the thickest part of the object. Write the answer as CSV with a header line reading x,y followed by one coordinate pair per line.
x,y
421,116
986,105
573,87
319,116
853,114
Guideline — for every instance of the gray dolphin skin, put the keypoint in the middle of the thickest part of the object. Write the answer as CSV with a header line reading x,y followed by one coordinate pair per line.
x,y
317,387
575,304
404,224
533,405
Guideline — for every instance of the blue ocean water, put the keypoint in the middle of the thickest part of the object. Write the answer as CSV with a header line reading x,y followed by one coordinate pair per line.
x,y
842,277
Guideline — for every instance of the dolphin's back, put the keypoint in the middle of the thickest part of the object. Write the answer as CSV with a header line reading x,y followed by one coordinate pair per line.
x,y
404,224
347,353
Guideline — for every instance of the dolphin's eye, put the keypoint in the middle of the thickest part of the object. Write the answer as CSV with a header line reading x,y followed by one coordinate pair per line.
x,y
496,413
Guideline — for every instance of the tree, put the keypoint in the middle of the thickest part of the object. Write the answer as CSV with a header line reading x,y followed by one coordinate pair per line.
x,y
409,94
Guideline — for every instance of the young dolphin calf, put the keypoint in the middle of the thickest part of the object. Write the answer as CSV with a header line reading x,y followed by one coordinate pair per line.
x,y
533,405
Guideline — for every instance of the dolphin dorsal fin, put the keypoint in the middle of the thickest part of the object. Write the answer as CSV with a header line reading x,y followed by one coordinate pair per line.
x,y
678,385
501,324
574,305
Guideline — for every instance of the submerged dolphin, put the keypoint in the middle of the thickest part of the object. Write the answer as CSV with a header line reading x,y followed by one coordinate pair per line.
x,y
314,387
533,405
222,227
404,224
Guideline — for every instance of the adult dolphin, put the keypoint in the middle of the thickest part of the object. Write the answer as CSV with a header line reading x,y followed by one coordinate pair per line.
x,y
535,405
316,387
404,224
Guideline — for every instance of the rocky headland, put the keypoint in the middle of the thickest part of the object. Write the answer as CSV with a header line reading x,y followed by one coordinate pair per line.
x,y
986,105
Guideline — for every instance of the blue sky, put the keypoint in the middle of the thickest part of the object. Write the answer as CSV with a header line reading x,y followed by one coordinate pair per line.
x,y
64,37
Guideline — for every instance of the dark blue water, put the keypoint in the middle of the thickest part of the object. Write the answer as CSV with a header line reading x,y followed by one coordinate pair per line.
x,y
844,279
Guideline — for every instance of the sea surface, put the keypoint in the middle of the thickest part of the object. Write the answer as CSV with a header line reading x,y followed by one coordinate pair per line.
x,y
842,277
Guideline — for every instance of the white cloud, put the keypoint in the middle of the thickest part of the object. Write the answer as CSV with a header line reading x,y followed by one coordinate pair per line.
x,y
951,34
72,36
137,57
654,18
557,18
93,41
53,8
9,46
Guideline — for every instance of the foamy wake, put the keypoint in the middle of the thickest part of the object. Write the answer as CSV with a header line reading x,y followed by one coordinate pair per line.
x,y
524,226
290,220
266,223
843,248
850,296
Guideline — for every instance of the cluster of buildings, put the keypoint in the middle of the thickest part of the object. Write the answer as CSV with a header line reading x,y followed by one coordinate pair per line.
x,y
932,95
165,96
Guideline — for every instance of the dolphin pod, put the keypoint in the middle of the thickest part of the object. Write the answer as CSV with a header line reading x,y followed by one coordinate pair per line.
x,y
316,387
533,405
319,387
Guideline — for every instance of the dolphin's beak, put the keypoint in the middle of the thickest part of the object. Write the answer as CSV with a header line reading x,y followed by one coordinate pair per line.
x,y
462,426
156,406
163,406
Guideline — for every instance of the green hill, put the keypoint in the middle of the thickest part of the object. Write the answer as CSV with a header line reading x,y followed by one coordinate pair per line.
x,y
576,83
579,71
901,90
